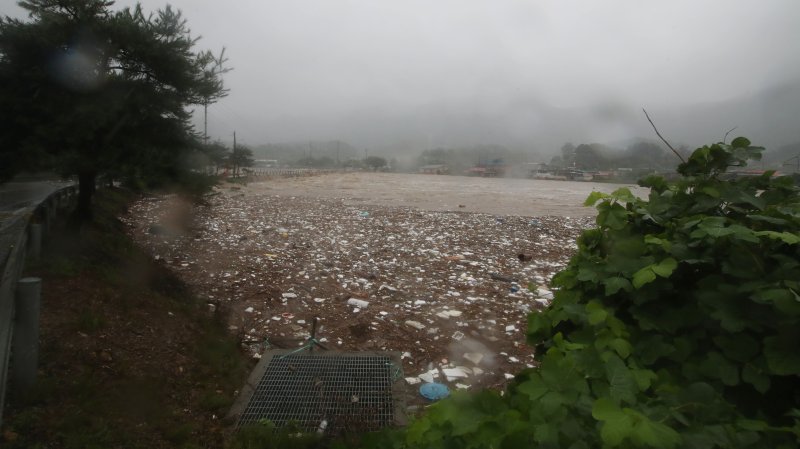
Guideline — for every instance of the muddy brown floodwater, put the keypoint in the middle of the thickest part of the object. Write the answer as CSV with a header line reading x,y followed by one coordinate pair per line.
x,y
498,196
442,269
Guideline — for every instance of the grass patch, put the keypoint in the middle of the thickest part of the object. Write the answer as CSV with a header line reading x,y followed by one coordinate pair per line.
x,y
63,266
264,435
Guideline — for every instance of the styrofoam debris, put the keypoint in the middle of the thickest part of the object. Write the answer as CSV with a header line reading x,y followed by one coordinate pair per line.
x,y
358,303
415,324
474,357
429,376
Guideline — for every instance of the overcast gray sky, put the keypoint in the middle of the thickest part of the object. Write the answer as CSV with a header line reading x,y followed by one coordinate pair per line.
x,y
525,73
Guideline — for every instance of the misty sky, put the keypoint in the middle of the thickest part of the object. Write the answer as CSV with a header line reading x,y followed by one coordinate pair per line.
x,y
419,73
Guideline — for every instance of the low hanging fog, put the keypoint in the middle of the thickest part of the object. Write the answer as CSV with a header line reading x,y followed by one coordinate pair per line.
x,y
401,77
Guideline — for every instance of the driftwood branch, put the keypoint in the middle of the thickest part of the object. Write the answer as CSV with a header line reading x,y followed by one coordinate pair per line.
x,y
661,137
726,134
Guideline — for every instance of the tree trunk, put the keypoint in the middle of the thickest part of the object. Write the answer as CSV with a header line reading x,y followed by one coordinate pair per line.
x,y
86,188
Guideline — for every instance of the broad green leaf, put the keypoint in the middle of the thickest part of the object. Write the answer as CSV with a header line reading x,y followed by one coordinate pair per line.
x,y
621,384
613,216
756,378
594,197
624,195
653,240
654,434
782,355
621,347
717,366
665,267
615,284
616,424
533,388
768,219
752,424
604,409
738,346
784,299
710,191
643,378
595,313
587,274
740,142
786,237
644,276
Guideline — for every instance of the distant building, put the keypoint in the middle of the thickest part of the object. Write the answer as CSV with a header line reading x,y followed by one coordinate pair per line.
x,y
438,169
266,163
493,168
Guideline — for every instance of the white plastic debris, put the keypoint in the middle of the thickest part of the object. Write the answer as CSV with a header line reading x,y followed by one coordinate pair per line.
x,y
544,293
414,380
355,302
455,373
474,357
446,314
249,310
289,295
415,324
429,376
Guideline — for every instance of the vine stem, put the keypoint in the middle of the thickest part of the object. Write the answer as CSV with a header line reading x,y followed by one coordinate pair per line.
x,y
662,137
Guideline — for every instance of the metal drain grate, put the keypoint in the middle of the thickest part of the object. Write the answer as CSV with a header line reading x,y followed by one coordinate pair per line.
x,y
349,392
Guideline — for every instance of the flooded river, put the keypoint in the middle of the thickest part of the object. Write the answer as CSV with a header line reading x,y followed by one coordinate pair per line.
x,y
496,196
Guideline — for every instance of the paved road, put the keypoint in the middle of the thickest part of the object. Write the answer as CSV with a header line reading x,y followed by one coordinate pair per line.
x,y
16,201
16,195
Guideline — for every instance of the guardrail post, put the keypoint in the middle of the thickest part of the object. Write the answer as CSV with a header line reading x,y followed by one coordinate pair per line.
x,y
25,358
35,236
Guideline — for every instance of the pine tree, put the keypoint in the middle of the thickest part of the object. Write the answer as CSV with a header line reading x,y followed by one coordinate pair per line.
x,y
87,91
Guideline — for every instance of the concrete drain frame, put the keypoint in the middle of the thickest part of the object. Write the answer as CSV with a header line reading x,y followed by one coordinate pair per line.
x,y
329,392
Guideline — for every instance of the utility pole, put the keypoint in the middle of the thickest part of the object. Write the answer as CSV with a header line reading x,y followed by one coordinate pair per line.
x,y
233,155
337,153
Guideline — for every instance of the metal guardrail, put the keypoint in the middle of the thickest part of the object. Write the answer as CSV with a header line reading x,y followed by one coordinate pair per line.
x,y
20,238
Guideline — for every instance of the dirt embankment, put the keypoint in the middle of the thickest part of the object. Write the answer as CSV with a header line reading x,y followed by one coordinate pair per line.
x,y
128,358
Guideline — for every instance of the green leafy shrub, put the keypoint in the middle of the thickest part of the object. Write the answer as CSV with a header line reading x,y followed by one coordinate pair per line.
x,y
677,324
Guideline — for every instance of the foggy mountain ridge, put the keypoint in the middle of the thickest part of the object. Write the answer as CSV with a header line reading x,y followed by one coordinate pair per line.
x,y
768,118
